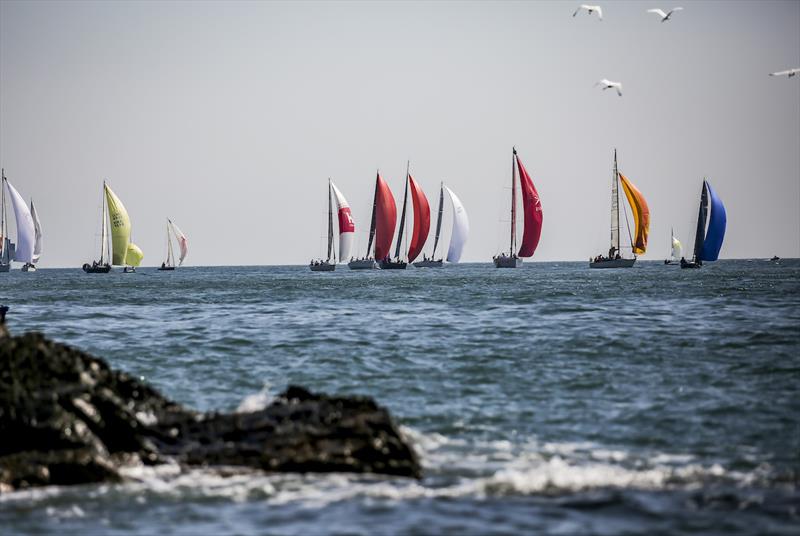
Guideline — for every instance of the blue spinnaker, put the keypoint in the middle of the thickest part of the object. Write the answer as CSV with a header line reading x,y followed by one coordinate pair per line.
x,y
716,227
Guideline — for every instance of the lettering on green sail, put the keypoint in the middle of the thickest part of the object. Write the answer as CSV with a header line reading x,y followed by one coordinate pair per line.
x,y
116,220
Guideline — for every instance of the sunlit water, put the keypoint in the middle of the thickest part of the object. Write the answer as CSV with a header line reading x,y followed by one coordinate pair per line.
x,y
549,399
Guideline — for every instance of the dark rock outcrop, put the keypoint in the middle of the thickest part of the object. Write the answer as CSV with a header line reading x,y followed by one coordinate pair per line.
x,y
67,418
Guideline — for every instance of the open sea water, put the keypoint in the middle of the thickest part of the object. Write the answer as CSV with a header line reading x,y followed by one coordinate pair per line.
x,y
552,399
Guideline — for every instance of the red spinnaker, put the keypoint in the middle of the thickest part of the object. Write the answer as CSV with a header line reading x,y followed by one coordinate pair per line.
x,y
422,220
385,218
533,213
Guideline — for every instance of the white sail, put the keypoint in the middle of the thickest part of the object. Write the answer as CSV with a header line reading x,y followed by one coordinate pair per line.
x,y
26,232
183,242
458,237
347,225
37,246
676,248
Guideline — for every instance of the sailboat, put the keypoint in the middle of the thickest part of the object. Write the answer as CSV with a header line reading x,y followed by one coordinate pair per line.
x,y
532,209
641,219
458,235
346,230
381,227
123,251
675,249
422,224
6,245
37,245
708,241
183,245
26,231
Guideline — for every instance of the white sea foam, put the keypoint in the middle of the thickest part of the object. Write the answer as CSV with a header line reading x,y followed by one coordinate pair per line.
x,y
256,401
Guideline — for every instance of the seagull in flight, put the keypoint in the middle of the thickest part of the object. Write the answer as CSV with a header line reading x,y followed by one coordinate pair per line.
x,y
608,84
590,10
787,73
664,16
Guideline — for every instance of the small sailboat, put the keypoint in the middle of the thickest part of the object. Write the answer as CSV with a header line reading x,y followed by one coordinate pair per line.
x,y
346,230
381,227
532,209
22,251
37,245
708,241
123,251
641,220
458,235
675,251
6,245
422,225
183,246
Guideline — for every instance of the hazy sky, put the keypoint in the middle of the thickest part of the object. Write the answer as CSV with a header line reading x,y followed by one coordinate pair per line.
x,y
229,118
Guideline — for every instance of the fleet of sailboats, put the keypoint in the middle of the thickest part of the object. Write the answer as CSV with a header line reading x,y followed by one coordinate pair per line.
x,y
708,237
641,221
532,217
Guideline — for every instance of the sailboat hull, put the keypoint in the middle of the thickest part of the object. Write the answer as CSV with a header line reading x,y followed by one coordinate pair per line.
x,y
28,268
428,263
97,269
507,262
613,263
166,268
5,267
322,267
669,261
362,264
690,264
392,265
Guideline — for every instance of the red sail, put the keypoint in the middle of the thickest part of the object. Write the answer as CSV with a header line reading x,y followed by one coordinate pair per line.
x,y
422,220
533,213
385,218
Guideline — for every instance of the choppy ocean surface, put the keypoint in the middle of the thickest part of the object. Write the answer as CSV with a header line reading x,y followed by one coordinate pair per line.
x,y
552,399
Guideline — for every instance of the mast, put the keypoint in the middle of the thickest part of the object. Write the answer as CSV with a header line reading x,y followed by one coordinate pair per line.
x,y
438,220
402,216
103,226
374,208
513,246
170,254
330,219
615,208
3,252
701,223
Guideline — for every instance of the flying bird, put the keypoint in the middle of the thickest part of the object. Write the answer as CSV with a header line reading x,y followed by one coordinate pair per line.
x,y
590,10
664,16
788,73
608,84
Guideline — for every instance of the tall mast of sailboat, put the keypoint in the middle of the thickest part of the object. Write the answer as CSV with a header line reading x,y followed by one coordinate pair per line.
x,y
403,215
103,226
3,215
330,219
372,220
438,220
513,246
615,207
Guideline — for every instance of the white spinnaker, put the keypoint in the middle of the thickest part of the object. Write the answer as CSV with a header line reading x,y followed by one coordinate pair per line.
x,y
37,227
460,228
183,242
676,248
26,232
345,236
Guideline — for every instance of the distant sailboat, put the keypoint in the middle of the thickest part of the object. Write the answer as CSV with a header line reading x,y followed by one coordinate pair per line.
x,y
675,251
123,251
6,246
422,225
641,219
183,246
37,245
347,228
458,236
532,209
708,242
381,227
26,230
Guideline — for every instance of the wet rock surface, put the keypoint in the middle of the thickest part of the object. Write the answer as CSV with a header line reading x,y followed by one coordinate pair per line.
x,y
67,418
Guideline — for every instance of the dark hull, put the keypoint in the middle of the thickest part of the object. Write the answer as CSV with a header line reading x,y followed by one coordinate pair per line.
x,y
362,264
391,265
671,262
5,267
322,267
429,264
166,268
687,264
507,262
613,263
99,269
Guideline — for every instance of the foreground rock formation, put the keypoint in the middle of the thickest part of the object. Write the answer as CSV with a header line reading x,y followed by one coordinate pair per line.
x,y
67,418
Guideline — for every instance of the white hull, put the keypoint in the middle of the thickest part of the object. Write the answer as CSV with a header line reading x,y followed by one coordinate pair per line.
x,y
507,262
362,264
